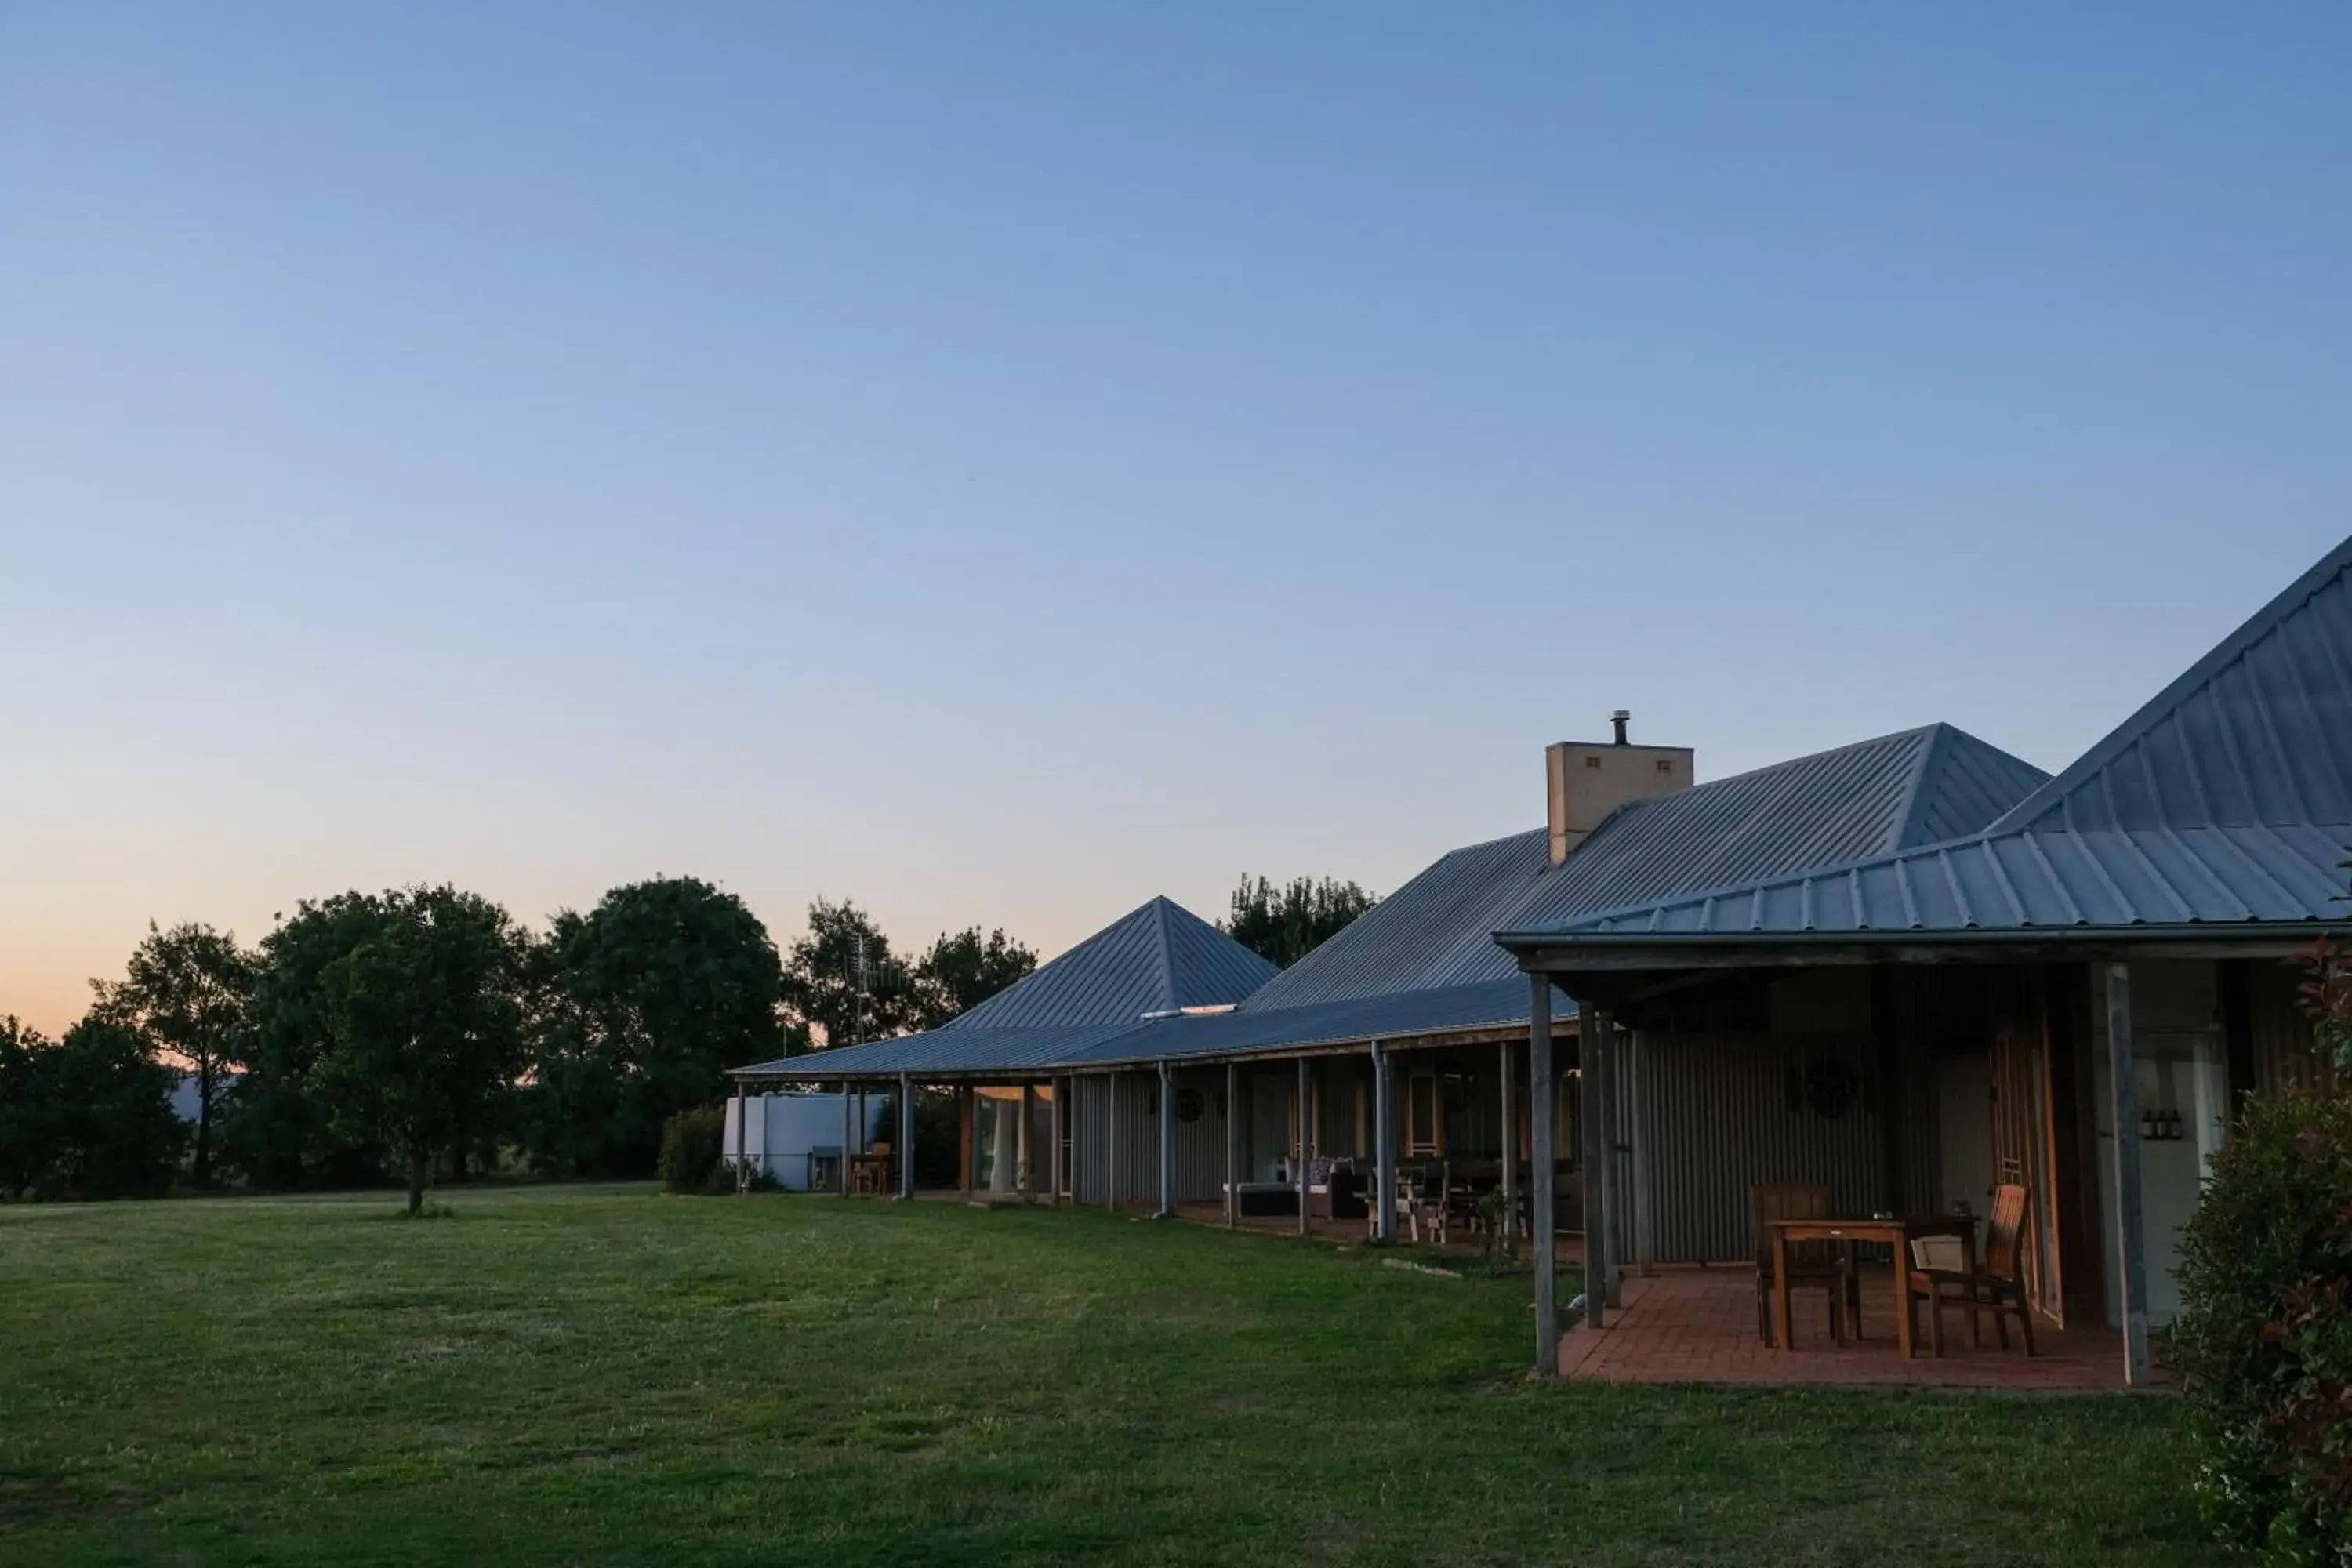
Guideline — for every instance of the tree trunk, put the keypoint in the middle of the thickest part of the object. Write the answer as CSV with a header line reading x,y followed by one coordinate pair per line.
x,y
416,1167
204,1171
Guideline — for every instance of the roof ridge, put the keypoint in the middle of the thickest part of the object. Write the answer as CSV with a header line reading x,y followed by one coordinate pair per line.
x,y
1916,789
1159,907
2230,650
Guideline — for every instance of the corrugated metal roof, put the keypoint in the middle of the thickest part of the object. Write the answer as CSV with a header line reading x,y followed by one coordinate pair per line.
x,y
952,1050
2257,730
2226,800
1826,809
945,1050
1156,959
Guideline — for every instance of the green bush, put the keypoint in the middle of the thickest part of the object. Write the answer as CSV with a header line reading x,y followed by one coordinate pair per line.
x,y
2264,1337
692,1142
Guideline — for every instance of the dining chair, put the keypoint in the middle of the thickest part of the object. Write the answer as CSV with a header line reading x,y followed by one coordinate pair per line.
x,y
1812,1265
1996,1290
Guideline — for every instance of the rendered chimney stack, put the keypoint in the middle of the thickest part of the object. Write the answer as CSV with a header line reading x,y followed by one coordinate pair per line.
x,y
1584,781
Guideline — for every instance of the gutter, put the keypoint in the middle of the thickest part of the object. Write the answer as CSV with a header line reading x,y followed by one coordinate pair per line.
x,y
1521,941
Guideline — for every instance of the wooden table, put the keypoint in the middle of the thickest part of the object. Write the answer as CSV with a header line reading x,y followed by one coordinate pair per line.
x,y
1897,1234
869,1174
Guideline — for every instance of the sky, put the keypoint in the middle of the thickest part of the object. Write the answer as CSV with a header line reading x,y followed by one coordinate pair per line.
x,y
998,463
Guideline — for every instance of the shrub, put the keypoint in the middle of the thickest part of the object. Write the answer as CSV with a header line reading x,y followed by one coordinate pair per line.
x,y
2264,1337
692,1143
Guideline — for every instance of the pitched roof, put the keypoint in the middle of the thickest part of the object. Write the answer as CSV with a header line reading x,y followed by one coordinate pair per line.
x,y
1158,958
952,1050
2226,800
1826,809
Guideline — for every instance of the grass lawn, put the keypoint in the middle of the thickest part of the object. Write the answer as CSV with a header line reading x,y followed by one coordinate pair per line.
x,y
606,1375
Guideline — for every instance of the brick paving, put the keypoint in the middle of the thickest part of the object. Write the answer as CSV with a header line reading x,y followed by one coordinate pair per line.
x,y
1698,1325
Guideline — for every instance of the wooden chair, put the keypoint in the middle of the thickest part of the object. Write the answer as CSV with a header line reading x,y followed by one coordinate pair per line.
x,y
1996,1290
1812,1265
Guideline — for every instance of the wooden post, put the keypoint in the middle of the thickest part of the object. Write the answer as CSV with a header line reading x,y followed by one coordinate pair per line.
x,y
963,1140
1509,1219
1305,1140
906,1135
1167,1143
2123,1106
1592,1028
1054,1142
1613,1177
1022,1162
1110,1098
1384,1146
1233,1144
848,1137
1539,1171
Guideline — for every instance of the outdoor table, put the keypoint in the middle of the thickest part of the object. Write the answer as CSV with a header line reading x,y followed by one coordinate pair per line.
x,y
1897,1232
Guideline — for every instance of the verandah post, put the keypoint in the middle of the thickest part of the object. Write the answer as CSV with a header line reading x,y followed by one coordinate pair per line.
x,y
1023,1162
1509,1219
964,1110
1592,1032
1167,1141
1306,1148
849,1139
1383,1146
2123,1106
906,1135
1233,1144
1539,1163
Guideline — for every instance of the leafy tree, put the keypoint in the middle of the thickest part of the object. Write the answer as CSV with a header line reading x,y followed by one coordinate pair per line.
x,y
275,1127
652,996
185,993
85,1115
424,1027
1285,924
962,969
25,1109
842,981
118,1135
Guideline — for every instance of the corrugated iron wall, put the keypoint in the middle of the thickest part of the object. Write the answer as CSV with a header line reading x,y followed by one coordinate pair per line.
x,y
1199,1144
1720,1121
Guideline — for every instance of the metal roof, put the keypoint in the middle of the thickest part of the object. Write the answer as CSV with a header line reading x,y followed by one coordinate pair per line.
x,y
1826,809
2227,800
1156,959
949,1049
952,1050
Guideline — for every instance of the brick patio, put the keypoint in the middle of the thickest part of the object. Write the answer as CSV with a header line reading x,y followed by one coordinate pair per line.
x,y
1698,1325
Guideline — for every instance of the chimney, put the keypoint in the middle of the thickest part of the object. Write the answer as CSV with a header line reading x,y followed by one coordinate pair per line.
x,y
1584,781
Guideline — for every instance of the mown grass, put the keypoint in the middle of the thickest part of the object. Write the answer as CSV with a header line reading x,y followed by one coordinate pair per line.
x,y
590,1375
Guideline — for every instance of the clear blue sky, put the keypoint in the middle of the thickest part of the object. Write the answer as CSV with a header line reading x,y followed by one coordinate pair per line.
x,y
998,462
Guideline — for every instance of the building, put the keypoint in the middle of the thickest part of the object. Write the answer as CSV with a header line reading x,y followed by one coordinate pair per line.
x,y
1411,1018
2102,966
1908,969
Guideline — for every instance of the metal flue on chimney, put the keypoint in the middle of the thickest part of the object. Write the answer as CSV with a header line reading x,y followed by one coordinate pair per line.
x,y
1618,720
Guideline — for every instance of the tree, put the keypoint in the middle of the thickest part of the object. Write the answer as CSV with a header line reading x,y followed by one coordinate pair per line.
x,y
841,981
1285,924
186,991
652,996
85,1115
962,969
275,1127
24,1111
424,1027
